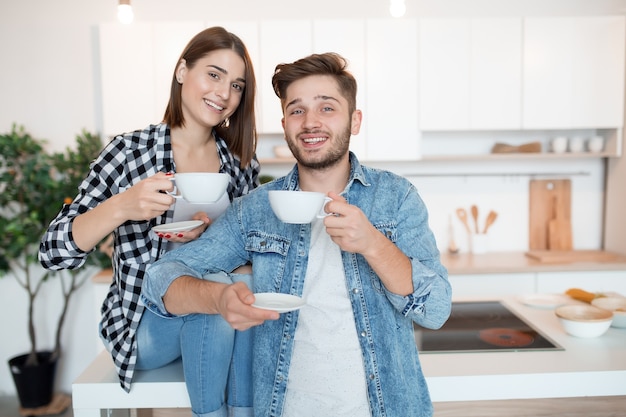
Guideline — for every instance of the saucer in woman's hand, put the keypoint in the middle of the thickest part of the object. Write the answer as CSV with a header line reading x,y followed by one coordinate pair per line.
x,y
177,226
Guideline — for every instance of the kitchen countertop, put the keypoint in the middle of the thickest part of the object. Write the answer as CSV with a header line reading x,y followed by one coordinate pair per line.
x,y
518,262
586,367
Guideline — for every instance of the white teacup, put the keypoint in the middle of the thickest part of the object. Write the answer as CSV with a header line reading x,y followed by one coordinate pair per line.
x,y
595,144
559,144
576,144
298,207
200,187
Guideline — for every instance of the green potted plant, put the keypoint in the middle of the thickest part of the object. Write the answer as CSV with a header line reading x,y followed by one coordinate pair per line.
x,y
34,185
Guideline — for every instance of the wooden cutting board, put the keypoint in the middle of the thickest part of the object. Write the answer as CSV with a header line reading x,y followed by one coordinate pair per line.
x,y
549,222
572,256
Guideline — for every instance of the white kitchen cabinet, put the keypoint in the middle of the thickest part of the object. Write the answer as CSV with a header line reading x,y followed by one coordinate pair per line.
x,y
496,74
281,41
128,77
347,38
470,73
573,72
492,285
392,90
592,281
444,76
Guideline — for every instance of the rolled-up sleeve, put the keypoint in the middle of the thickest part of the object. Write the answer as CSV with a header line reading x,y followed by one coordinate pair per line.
x,y
158,279
429,304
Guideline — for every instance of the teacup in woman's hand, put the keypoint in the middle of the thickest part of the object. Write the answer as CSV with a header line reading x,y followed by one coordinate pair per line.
x,y
200,187
298,207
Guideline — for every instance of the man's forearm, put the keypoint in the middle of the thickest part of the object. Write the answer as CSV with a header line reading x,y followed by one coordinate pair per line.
x,y
392,266
189,295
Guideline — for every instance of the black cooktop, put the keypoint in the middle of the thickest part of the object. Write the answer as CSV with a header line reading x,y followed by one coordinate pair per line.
x,y
481,327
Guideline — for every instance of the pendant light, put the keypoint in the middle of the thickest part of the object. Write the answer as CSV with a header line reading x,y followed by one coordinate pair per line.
x,y
125,12
397,8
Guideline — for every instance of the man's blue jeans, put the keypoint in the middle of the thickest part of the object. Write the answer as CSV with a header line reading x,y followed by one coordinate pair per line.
x,y
217,360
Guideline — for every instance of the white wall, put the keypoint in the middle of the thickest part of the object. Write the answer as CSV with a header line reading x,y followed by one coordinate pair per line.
x,y
49,82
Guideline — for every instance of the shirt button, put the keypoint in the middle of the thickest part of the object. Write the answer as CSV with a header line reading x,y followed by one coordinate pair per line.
x,y
372,377
363,334
355,291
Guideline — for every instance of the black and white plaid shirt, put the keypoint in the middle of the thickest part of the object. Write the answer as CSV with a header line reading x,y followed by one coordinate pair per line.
x,y
125,161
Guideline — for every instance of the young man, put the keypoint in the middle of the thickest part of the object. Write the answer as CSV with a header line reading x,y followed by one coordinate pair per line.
x,y
368,272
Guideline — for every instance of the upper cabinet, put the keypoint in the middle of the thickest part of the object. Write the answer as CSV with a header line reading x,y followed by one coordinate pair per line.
x,y
416,77
392,90
573,72
470,73
128,78
495,74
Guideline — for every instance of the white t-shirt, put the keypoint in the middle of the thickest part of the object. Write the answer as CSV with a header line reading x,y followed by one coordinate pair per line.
x,y
326,376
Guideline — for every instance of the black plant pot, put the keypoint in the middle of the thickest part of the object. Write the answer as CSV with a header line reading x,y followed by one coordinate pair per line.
x,y
34,384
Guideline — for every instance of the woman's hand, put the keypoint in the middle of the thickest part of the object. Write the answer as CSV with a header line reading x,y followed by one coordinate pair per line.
x,y
145,200
188,235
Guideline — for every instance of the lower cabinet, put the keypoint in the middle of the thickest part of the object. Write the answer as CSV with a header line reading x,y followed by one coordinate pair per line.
x,y
492,285
496,285
592,281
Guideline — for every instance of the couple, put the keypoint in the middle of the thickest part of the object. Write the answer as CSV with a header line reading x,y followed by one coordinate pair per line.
x,y
367,273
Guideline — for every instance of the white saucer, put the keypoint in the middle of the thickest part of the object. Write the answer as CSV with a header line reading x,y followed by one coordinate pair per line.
x,y
278,302
546,301
177,226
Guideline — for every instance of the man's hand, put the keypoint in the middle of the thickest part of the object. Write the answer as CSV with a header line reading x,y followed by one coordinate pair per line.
x,y
189,295
349,227
236,307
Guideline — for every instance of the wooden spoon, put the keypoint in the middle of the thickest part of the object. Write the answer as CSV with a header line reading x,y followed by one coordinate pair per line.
x,y
491,217
474,210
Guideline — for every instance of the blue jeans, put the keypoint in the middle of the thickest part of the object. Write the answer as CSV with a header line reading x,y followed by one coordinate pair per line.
x,y
217,360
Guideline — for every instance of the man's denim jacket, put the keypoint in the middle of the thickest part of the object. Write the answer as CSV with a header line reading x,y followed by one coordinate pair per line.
x,y
249,232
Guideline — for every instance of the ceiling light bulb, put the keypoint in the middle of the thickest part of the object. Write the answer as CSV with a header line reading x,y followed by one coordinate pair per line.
x,y
125,12
397,8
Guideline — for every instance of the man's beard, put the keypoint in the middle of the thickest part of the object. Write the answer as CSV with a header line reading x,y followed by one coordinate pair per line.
x,y
329,159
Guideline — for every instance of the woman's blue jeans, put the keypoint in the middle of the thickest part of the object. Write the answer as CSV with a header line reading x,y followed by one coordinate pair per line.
x,y
217,360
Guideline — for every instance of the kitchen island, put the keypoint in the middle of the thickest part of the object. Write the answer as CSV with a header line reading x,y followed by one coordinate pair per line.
x,y
584,368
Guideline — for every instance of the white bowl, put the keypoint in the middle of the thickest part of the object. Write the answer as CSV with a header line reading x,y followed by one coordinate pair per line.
x,y
584,320
617,305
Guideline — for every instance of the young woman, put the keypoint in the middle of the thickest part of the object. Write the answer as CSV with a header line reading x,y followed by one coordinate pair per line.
x,y
209,126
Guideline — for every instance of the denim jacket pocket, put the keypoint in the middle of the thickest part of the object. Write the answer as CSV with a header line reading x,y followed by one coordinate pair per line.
x,y
267,243
273,250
